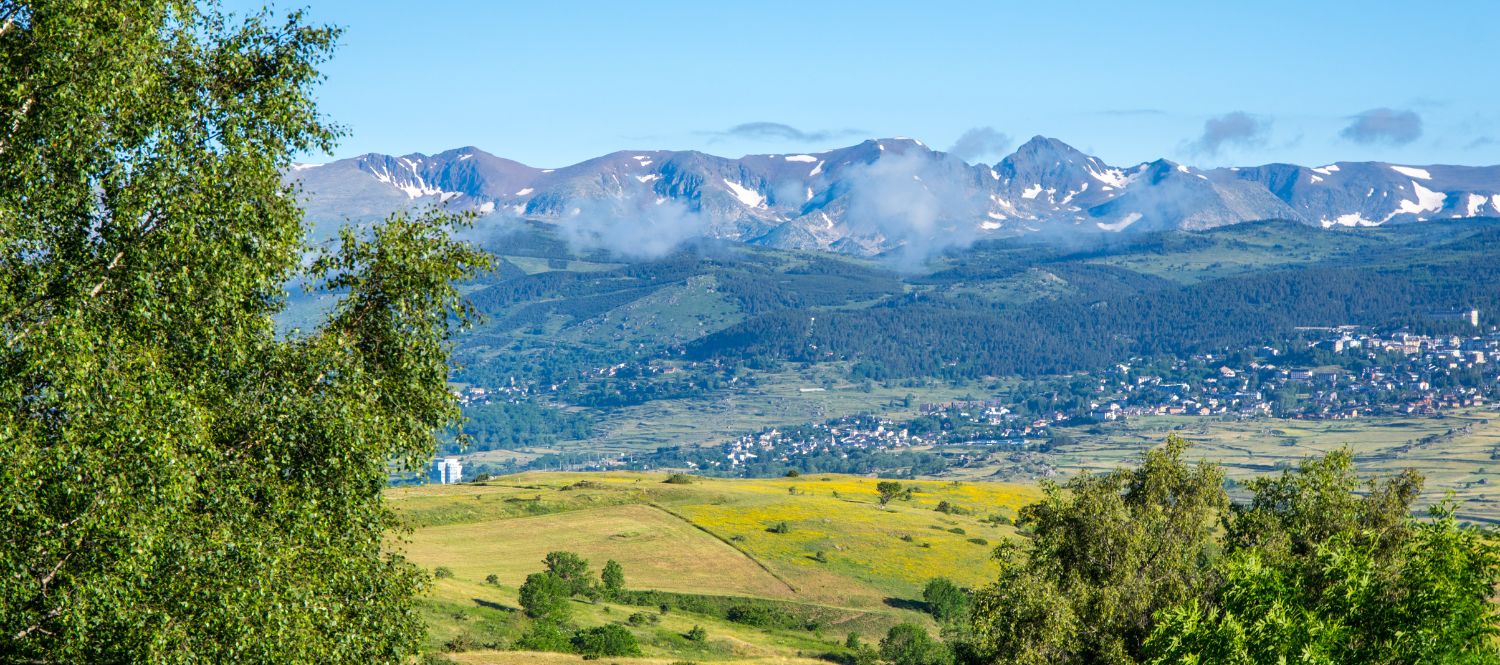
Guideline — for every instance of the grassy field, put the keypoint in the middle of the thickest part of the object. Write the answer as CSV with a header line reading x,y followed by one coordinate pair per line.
x,y
710,539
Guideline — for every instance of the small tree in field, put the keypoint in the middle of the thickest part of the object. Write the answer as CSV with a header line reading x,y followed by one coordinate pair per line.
x,y
570,568
945,601
613,577
545,596
888,490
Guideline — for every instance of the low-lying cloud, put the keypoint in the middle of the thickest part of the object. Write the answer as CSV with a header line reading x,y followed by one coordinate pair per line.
x,y
775,131
1234,129
911,201
980,142
634,226
1384,126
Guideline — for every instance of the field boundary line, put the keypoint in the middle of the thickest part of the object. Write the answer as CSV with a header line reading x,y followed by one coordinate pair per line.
x,y
726,541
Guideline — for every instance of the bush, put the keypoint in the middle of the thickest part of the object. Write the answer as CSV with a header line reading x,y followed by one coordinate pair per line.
x,y
679,479
761,616
820,557
643,619
947,508
793,473
909,644
610,640
442,572
492,579
957,530
460,643
545,636
697,634
979,541
779,527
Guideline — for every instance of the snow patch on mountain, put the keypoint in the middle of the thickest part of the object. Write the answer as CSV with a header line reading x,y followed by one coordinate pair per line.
x,y
1412,172
1476,203
746,195
1427,201
1351,219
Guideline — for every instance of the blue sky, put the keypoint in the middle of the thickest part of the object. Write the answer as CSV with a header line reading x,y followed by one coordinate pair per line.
x,y
553,83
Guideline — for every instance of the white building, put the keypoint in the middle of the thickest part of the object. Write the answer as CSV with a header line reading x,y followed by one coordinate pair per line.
x,y
447,471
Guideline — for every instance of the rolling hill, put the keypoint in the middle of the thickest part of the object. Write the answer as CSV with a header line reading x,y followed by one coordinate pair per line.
x,y
701,548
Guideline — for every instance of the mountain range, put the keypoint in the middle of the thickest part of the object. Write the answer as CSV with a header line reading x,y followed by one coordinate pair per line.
x,y
882,195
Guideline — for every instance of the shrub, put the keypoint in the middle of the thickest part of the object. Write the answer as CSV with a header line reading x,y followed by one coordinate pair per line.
x,y
610,640
979,541
793,473
779,527
957,530
643,619
761,616
820,557
697,634
442,572
952,509
679,479
909,644
460,643
545,636
492,579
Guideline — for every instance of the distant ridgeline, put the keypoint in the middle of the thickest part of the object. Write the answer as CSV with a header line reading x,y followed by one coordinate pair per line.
x,y
882,195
